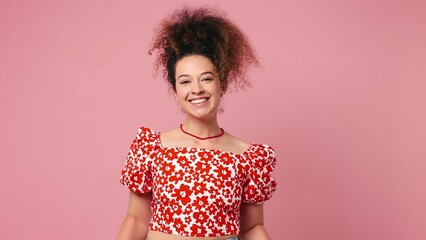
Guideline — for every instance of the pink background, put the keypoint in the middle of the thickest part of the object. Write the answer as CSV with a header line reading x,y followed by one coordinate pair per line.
x,y
341,97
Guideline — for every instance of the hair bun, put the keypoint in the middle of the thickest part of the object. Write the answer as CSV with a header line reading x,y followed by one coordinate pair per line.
x,y
207,32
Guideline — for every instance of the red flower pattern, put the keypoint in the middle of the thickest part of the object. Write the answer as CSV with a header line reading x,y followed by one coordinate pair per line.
x,y
183,194
205,155
200,217
198,230
200,202
180,225
199,187
220,218
177,176
168,169
171,154
222,172
226,158
202,167
182,161
197,192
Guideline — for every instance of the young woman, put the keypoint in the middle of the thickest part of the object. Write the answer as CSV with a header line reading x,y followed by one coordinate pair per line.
x,y
197,181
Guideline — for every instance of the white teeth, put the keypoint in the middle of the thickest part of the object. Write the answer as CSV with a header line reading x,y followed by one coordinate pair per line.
x,y
199,100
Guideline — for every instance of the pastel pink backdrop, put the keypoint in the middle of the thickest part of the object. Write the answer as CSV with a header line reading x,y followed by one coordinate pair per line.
x,y
341,97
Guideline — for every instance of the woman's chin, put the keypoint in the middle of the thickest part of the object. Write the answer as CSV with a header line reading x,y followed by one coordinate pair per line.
x,y
202,115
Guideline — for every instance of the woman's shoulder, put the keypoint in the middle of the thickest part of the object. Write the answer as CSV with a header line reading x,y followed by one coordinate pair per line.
x,y
170,137
249,146
227,143
236,144
255,150
146,134
261,155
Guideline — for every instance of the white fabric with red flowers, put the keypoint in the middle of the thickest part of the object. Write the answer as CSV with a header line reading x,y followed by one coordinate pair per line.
x,y
197,192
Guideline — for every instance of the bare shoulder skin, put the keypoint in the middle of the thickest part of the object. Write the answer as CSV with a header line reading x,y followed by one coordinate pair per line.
x,y
228,142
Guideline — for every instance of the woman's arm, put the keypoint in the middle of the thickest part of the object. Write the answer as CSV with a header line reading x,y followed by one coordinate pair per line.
x,y
252,222
136,223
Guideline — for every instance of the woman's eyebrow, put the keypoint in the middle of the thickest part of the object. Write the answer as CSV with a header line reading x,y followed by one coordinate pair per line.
x,y
207,73
203,73
183,75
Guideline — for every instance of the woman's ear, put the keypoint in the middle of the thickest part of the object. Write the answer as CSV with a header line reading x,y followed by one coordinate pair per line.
x,y
172,92
223,91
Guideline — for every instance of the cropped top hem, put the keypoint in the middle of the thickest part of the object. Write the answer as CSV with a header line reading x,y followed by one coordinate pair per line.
x,y
197,192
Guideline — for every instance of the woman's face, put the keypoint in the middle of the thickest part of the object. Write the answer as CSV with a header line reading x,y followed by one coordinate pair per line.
x,y
198,88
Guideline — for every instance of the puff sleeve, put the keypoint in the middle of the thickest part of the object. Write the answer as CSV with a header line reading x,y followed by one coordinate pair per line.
x,y
136,174
260,185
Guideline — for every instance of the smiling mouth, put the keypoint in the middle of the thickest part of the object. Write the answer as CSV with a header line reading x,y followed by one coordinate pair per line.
x,y
199,100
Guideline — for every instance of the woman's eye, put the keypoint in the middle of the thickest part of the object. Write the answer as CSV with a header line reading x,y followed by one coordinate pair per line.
x,y
207,79
184,82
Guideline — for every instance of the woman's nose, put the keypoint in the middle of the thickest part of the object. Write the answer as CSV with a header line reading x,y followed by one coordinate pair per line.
x,y
197,88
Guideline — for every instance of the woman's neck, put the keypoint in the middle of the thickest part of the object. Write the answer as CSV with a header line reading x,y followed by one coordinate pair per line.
x,y
201,127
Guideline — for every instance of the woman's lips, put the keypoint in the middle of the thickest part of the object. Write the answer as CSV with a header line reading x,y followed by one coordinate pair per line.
x,y
198,100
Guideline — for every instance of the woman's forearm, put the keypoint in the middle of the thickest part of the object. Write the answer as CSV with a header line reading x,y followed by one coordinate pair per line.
x,y
256,233
131,229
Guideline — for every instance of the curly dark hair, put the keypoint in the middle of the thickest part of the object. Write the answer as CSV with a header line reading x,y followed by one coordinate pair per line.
x,y
207,32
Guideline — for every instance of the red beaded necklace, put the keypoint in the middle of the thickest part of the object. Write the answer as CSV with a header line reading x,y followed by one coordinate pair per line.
x,y
202,138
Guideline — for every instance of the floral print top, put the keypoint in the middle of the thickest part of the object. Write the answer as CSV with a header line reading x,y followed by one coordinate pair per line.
x,y
197,192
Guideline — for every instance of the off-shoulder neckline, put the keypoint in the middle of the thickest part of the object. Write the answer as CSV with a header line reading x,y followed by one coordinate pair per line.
x,y
160,145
